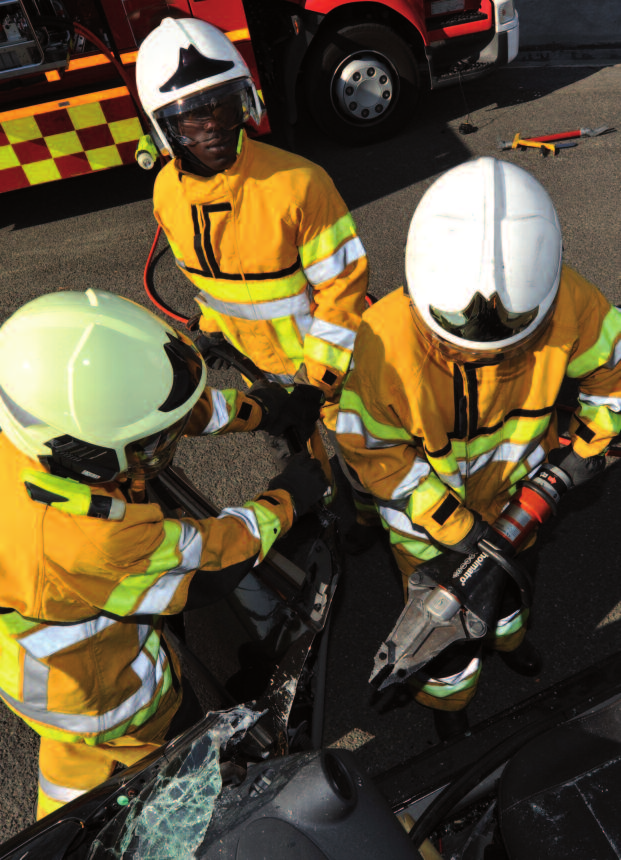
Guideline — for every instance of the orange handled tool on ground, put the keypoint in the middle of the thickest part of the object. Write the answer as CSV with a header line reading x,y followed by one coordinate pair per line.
x,y
552,142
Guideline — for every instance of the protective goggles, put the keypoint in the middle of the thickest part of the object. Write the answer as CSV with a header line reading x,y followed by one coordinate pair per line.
x,y
483,320
228,107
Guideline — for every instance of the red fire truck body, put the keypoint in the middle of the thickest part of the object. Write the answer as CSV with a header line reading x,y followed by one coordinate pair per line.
x,y
64,109
67,68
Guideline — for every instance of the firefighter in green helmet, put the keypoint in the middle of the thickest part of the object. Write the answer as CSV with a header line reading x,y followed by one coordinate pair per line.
x,y
95,392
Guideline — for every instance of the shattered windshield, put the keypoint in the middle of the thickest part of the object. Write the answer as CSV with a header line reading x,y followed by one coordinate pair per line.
x,y
171,813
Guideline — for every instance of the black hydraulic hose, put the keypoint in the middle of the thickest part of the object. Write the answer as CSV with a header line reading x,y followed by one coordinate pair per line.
x,y
321,668
516,571
437,811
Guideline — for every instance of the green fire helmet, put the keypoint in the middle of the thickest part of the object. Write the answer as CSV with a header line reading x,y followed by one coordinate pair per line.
x,y
95,386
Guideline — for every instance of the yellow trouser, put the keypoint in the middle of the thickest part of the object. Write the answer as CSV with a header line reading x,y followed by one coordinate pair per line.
x,y
67,770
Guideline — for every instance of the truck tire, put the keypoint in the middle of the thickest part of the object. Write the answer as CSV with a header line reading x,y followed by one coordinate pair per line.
x,y
361,83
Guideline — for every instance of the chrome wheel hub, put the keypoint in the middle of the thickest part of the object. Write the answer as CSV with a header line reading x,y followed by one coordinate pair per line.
x,y
363,87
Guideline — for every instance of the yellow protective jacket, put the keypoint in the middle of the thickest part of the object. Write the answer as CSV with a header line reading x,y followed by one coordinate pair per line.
x,y
81,650
273,251
434,440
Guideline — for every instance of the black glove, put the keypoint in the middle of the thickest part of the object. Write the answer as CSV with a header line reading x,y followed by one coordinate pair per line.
x,y
281,411
578,469
470,543
304,480
204,343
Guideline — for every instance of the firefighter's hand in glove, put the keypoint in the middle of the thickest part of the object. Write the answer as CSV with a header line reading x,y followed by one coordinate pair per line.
x,y
204,344
479,535
578,469
282,411
304,480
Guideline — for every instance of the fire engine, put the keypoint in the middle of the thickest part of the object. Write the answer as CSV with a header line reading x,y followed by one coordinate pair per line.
x,y
67,93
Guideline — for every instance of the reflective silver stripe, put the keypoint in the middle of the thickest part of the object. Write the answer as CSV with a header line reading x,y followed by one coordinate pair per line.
x,y
615,358
469,467
35,677
157,599
59,792
349,422
150,676
612,403
534,460
304,323
337,335
451,479
502,622
332,266
247,516
471,669
420,469
190,546
282,378
509,452
54,638
506,452
400,521
277,309
220,416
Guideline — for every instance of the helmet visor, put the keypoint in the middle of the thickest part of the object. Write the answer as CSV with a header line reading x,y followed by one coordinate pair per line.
x,y
483,320
146,457
227,106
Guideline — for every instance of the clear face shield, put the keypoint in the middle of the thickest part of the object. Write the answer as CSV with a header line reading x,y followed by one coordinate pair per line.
x,y
188,120
483,321
146,457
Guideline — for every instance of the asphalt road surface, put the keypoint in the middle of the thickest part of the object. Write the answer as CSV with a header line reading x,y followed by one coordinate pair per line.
x,y
96,232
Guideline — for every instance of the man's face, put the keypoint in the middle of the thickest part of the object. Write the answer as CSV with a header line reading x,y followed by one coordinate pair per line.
x,y
211,132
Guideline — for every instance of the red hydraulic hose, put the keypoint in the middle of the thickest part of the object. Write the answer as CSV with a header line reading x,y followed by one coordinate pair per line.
x,y
131,87
126,78
150,290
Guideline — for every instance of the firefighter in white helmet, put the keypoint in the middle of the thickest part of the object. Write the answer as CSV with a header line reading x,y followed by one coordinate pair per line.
x,y
95,392
262,233
452,399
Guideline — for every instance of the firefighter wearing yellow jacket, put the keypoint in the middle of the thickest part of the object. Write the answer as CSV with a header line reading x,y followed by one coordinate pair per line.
x,y
262,234
95,392
451,401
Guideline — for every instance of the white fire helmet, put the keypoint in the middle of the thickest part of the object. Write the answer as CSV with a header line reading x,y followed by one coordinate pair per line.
x,y
483,258
187,65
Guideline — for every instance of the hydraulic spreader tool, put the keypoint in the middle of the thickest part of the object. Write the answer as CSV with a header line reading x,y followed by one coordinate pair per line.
x,y
455,598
